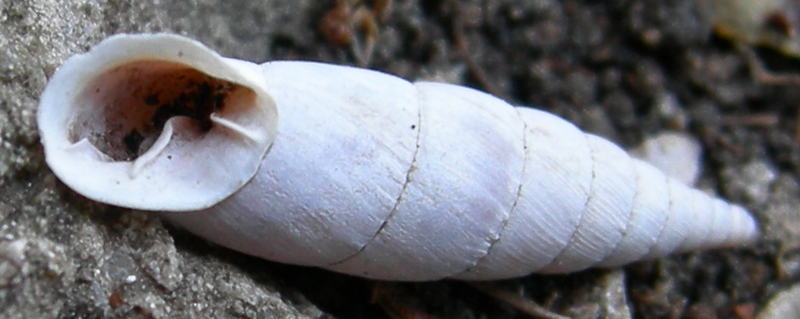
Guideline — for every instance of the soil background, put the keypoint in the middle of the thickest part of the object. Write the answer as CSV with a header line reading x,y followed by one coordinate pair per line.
x,y
624,70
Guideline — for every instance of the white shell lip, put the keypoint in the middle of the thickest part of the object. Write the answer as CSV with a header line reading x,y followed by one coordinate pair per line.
x,y
105,103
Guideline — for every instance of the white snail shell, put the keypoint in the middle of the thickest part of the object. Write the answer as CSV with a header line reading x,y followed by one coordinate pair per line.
x,y
357,171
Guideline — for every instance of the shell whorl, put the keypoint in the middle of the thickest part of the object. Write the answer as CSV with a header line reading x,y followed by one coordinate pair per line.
x,y
528,192
374,176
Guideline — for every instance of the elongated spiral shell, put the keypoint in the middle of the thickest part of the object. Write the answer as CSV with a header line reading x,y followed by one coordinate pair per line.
x,y
360,172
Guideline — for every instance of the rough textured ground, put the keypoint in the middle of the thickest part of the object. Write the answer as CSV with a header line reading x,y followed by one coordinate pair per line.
x,y
621,69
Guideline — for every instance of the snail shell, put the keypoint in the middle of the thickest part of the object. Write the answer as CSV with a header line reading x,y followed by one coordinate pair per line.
x,y
358,171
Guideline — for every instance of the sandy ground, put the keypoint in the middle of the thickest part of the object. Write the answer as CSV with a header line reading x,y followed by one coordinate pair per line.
x,y
624,70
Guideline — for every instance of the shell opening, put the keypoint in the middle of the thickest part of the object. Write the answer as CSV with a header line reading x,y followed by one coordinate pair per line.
x,y
127,107
156,122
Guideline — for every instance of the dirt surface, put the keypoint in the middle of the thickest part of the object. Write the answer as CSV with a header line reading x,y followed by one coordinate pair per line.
x,y
621,69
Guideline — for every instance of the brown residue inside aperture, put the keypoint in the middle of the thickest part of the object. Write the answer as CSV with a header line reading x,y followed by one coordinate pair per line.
x,y
197,101
128,107
133,141
188,94
779,22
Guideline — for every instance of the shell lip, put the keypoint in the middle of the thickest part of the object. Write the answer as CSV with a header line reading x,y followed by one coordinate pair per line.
x,y
86,109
